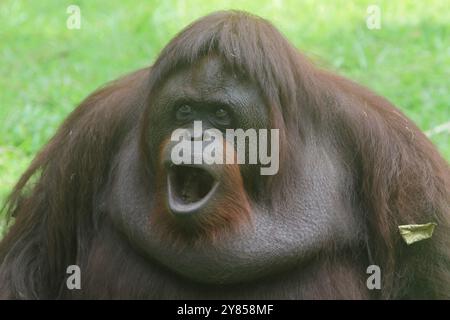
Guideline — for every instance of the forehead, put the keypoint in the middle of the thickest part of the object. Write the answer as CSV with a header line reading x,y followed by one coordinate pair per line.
x,y
209,79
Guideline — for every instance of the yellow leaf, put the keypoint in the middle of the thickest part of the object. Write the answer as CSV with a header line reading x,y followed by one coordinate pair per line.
x,y
416,232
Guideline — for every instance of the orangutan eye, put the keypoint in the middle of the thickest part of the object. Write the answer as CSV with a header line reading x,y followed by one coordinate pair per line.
x,y
222,117
221,113
184,112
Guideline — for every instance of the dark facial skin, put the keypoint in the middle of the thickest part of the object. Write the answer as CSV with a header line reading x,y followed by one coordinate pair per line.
x,y
206,88
313,213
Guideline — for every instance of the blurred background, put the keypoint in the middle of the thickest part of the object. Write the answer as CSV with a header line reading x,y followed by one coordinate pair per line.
x,y
47,68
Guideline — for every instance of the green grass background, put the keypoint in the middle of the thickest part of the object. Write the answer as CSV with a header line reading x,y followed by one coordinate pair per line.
x,y
47,69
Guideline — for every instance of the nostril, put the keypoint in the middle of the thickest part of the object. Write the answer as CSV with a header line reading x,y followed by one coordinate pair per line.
x,y
195,135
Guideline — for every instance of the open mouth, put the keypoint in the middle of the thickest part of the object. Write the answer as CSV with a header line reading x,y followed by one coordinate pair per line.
x,y
189,188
